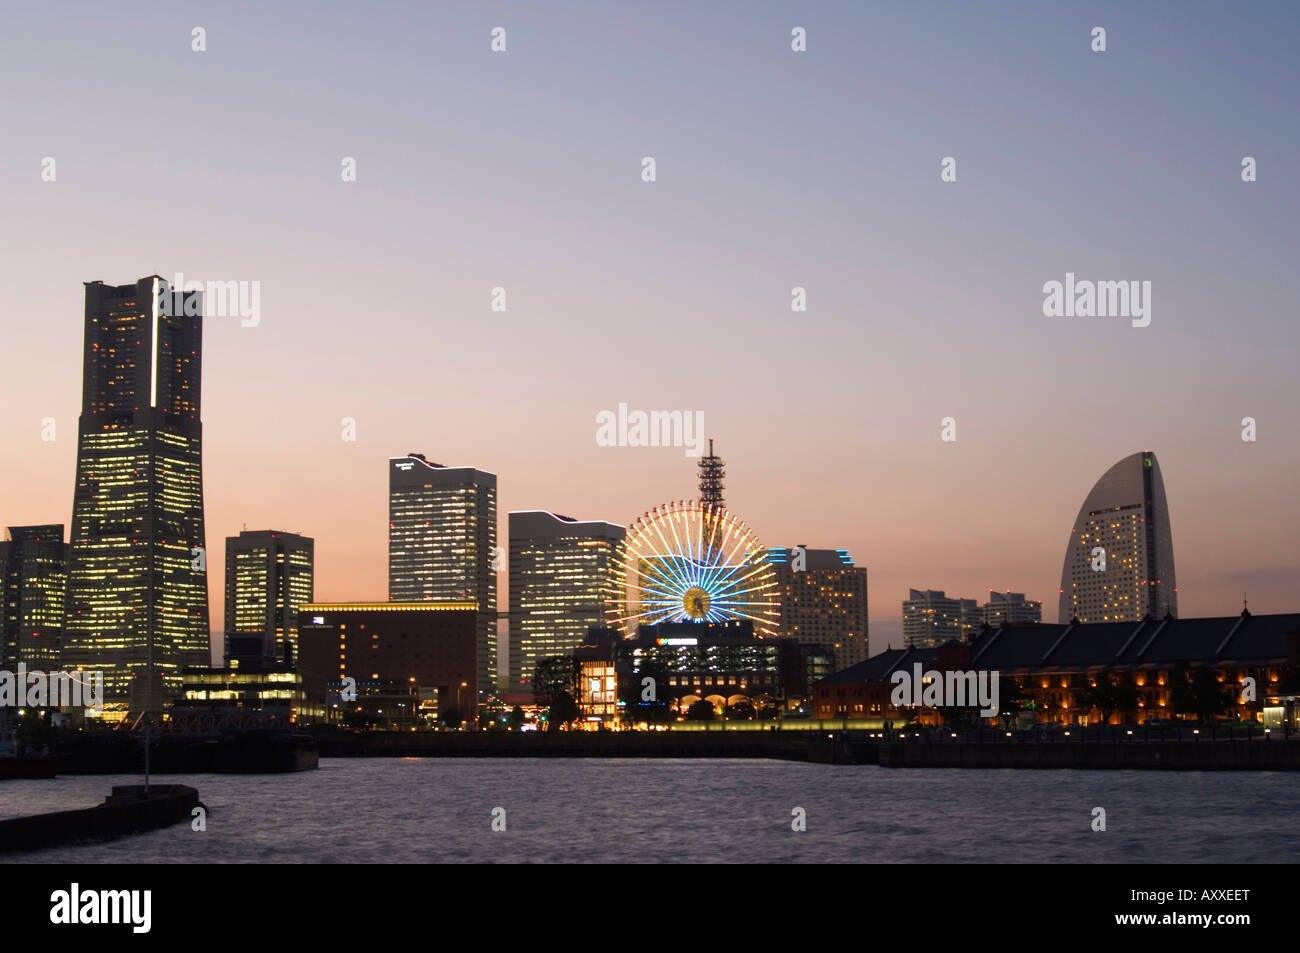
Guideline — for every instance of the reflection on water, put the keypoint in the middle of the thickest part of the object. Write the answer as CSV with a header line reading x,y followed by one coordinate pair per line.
x,y
572,811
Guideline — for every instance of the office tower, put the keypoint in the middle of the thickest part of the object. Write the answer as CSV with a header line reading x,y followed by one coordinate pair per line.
x,y
1119,562
712,470
823,600
33,585
442,543
931,618
1010,607
558,570
268,576
137,563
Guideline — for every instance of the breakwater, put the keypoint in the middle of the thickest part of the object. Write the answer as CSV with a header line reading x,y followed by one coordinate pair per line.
x,y
126,811
236,752
1162,755
840,747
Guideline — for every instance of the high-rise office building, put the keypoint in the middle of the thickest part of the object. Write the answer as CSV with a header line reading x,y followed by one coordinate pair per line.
x,y
137,604
558,570
931,618
1010,607
823,601
33,586
1119,562
269,574
442,544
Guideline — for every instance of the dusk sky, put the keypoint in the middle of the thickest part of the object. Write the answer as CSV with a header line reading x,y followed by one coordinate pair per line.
x,y
775,169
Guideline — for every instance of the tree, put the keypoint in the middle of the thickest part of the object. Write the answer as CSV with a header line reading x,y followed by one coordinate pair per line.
x,y
1198,692
552,676
702,710
1012,699
562,711
741,711
1108,697
1181,699
1210,699
644,702
451,718
516,718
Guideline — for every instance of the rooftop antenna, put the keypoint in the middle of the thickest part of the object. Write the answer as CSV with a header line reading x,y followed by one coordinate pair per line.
x,y
712,470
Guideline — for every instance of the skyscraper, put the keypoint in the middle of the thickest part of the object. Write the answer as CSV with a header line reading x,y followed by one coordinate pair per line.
x,y
823,601
931,618
33,586
1119,561
1010,607
442,543
558,569
137,563
269,574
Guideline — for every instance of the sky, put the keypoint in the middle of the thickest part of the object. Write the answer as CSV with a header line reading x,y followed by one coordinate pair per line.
x,y
774,169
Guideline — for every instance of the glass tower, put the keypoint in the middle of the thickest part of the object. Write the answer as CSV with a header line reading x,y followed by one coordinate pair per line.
x,y
558,571
442,538
137,606
268,576
33,581
1119,562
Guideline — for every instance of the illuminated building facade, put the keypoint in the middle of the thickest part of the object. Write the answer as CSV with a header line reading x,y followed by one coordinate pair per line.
x,y
931,618
1119,562
442,538
558,568
823,601
268,576
1010,607
33,586
276,694
137,605
722,662
406,660
1058,668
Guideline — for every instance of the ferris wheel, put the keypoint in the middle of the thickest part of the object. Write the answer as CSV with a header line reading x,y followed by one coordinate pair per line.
x,y
690,561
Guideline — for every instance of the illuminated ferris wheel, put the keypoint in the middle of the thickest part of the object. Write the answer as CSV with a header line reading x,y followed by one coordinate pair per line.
x,y
690,561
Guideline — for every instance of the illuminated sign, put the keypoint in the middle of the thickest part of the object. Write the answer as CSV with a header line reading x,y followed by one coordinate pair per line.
x,y
677,641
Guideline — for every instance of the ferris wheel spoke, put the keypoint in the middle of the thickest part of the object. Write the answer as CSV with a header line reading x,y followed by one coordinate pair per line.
x,y
687,561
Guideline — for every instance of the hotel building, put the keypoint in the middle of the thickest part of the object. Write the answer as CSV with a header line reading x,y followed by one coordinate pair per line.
x,y
442,544
407,660
1119,562
137,606
823,601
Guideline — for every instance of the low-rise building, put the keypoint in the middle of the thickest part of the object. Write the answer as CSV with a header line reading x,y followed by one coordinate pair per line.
x,y
1094,673
402,661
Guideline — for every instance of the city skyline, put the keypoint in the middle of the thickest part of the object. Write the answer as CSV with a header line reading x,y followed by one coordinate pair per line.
x,y
684,284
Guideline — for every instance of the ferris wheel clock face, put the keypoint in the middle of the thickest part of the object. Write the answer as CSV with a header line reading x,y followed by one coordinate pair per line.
x,y
690,562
